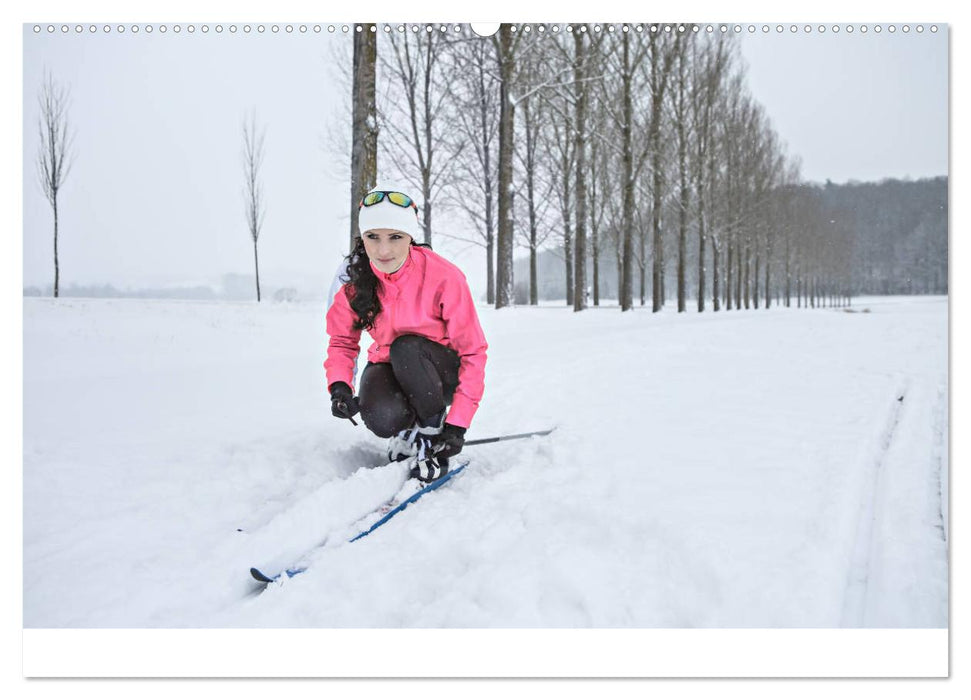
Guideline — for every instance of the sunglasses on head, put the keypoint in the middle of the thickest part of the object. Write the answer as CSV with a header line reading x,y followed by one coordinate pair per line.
x,y
398,198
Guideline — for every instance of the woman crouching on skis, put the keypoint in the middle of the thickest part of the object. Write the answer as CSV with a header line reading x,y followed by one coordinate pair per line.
x,y
426,367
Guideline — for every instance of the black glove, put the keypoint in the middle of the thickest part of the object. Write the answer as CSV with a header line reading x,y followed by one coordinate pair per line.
x,y
342,402
449,442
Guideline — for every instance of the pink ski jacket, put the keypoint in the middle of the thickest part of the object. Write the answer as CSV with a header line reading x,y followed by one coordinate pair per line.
x,y
427,296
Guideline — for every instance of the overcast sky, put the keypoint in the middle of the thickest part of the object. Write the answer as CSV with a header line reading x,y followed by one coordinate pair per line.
x,y
855,106
155,193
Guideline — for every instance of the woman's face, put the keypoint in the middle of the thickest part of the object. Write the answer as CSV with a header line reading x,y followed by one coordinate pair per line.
x,y
386,248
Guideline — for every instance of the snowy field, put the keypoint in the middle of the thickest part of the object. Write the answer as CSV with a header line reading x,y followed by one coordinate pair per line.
x,y
782,468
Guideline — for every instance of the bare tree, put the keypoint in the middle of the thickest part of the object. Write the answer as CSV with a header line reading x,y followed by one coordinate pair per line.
x,y
733,136
253,189
581,91
708,70
562,176
506,41
532,145
601,189
567,92
418,94
773,169
509,54
622,87
473,187
54,156
782,206
680,96
364,138
629,67
661,59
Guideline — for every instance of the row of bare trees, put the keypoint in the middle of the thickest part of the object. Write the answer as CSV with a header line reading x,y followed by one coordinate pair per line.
x,y
641,146
633,151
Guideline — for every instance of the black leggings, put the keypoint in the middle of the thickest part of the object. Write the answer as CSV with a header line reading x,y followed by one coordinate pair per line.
x,y
417,384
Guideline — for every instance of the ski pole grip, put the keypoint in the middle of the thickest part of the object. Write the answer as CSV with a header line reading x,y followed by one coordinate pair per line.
x,y
342,405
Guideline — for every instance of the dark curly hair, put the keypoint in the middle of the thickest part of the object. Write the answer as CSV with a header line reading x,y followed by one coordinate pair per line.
x,y
362,290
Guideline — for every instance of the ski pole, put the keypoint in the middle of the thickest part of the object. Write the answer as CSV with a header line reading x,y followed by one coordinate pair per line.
x,y
483,441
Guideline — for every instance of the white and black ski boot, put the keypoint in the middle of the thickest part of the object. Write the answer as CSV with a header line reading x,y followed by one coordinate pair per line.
x,y
402,446
427,466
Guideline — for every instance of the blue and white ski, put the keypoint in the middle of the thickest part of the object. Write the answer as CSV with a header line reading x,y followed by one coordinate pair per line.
x,y
386,511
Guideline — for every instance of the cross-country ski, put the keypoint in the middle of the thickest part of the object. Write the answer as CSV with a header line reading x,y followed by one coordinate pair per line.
x,y
409,494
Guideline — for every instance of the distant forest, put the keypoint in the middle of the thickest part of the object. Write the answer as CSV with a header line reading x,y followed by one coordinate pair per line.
x,y
895,233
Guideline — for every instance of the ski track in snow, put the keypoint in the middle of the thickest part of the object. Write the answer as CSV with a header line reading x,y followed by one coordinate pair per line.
x,y
871,508
941,460
740,469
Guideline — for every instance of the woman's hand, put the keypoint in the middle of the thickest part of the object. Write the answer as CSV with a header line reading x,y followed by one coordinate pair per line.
x,y
449,442
342,402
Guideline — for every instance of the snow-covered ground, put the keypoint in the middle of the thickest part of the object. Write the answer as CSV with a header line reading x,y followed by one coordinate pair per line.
x,y
781,468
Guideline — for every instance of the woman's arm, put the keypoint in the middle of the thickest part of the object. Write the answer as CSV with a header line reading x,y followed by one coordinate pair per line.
x,y
344,345
467,339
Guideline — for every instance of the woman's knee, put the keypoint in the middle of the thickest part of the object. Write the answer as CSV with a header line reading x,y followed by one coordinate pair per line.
x,y
387,418
406,347
384,407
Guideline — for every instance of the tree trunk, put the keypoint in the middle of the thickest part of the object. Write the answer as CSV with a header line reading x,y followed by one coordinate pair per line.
x,y
490,224
530,172
619,261
642,263
594,228
490,269
533,278
364,144
428,169
568,254
729,293
701,256
680,119
755,278
256,261
57,267
658,247
426,217
504,286
738,276
595,251
580,263
682,238
746,278
567,228
768,288
659,76
626,279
